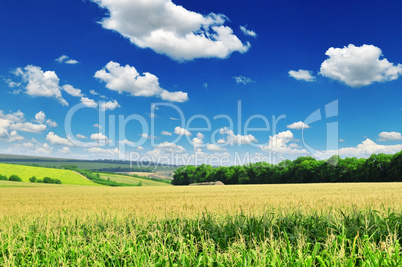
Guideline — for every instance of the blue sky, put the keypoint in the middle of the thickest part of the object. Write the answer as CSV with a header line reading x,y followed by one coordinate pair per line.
x,y
205,58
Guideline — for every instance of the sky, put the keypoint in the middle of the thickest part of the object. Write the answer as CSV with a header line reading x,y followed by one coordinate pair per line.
x,y
192,82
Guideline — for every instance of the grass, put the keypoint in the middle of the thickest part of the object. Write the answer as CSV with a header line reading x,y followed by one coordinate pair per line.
x,y
132,180
264,225
26,172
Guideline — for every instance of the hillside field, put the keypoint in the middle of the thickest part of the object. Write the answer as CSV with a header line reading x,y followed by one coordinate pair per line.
x,y
356,224
26,172
131,180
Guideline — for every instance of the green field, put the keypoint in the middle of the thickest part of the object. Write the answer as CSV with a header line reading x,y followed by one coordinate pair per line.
x,y
357,224
132,180
26,172
85,165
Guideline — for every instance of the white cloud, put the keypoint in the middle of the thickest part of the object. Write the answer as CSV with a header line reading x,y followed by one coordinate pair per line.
x,y
28,127
242,139
242,79
145,135
80,136
65,150
99,137
226,131
221,141
390,136
105,153
127,142
234,139
89,102
110,105
13,117
181,131
302,75
93,92
178,96
72,91
173,119
51,123
166,148
57,140
280,143
198,141
39,83
365,149
358,66
40,117
298,126
66,59
127,79
11,83
166,133
14,137
213,147
171,29
97,126
248,32
4,124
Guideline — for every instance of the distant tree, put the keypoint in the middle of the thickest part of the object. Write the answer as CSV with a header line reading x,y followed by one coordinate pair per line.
x,y
48,180
15,178
3,177
33,179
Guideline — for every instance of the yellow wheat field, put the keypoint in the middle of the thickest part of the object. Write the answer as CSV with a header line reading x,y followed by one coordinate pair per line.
x,y
162,202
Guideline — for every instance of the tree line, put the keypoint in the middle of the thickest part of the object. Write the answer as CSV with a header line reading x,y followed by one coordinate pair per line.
x,y
376,168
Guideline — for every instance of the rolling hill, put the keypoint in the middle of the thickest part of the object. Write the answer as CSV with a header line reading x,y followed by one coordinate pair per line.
x,y
26,172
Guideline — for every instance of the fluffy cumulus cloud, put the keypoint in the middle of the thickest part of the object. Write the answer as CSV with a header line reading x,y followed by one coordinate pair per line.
x,y
4,125
248,32
127,79
358,66
364,150
298,126
80,136
110,105
171,29
166,133
181,131
213,147
242,80
89,102
99,137
51,123
302,75
40,117
57,140
390,136
233,139
72,91
198,141
41,83
66,59
280,143
165,150
28,127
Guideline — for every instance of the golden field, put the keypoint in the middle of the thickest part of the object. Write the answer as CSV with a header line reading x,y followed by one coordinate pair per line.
x,y
185,201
